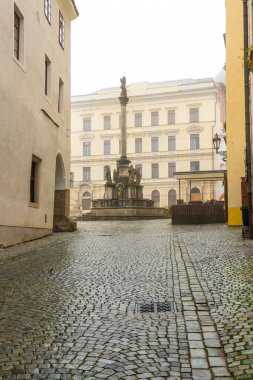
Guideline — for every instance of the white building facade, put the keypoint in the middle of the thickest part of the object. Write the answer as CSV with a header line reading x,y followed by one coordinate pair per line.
x,y
170,126
35,116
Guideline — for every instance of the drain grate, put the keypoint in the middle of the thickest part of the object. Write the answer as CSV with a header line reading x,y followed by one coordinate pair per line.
x,y
156,307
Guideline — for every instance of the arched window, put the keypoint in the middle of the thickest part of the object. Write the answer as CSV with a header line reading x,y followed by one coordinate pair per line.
x,y
86,200
195,194
155,196
172,197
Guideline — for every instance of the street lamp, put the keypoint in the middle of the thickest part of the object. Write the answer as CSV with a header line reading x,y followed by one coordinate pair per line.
x,y
216,145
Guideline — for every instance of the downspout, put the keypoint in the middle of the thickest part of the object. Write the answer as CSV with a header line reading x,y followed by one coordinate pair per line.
x,y
247,116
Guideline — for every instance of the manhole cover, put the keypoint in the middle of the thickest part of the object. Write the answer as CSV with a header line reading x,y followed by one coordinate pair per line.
x,y
156,307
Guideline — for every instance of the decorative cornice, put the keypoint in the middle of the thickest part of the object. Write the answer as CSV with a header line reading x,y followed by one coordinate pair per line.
x,y
86,136
194,128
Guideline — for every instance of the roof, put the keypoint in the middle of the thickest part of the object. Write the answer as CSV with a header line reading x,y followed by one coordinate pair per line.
x,y
75,7
206,175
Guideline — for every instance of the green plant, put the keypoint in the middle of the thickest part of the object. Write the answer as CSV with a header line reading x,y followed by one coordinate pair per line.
x,y
248,59
244,207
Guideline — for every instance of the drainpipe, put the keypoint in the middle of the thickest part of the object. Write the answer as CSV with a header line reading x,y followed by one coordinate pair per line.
x,y
247,116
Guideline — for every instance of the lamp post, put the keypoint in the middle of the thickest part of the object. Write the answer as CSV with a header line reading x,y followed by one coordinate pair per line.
x,y
216,145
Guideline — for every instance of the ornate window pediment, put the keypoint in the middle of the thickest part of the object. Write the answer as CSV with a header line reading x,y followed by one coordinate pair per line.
x,y
194,128
86,136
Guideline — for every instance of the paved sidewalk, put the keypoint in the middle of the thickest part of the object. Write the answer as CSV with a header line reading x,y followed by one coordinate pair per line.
x,y
68,304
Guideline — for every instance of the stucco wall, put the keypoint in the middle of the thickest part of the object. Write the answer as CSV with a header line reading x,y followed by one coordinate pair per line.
x,y
30,123
235,107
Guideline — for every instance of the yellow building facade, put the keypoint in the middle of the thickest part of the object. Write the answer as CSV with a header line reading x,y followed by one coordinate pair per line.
x,y
235,107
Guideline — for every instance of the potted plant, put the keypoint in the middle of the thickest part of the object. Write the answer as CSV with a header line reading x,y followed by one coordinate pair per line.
x,y
245,215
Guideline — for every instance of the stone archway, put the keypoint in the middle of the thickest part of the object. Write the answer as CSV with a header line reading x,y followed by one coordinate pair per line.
x,y
155,196
62,222
172,197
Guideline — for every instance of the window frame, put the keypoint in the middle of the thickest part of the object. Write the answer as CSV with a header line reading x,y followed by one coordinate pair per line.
x,y
154,118
86,173
194,141
48,10
18,36
47,89
85,124
171,143
138,144
171,166
138,119
86,148
155,170
171,117
34,181
154,144
107,122
194,115
107,147
194,163
61,30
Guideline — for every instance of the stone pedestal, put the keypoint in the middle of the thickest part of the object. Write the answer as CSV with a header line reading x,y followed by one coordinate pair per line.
x,y
62,221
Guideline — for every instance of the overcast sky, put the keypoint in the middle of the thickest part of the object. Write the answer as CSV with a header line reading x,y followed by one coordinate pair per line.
x,y
146,40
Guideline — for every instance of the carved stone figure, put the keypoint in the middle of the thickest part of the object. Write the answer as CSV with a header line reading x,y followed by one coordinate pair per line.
x,y
120,191
123,87
115,175
138,176
132,174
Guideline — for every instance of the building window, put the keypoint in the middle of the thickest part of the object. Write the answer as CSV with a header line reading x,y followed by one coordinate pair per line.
x,y
171,143
107,147
194,166
87,124
47,76
138,145
47,10
171,169
138,119
18,34
139,167
172,197
155,196
194,115
86,173
154,118
107,122
194,141
154,144
34,179
171,117
87,148
61,30
155,170
60,96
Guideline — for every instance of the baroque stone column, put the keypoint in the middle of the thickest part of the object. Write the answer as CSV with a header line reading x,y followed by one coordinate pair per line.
x,y
123,162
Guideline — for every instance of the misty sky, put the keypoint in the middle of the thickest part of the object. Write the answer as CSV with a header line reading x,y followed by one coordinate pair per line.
x,y
146,40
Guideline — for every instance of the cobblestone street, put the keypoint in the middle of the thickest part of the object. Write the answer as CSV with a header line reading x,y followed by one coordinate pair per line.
x,y
70,304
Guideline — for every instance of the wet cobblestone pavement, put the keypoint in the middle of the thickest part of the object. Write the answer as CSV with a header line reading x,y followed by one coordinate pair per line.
x,y
68,304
